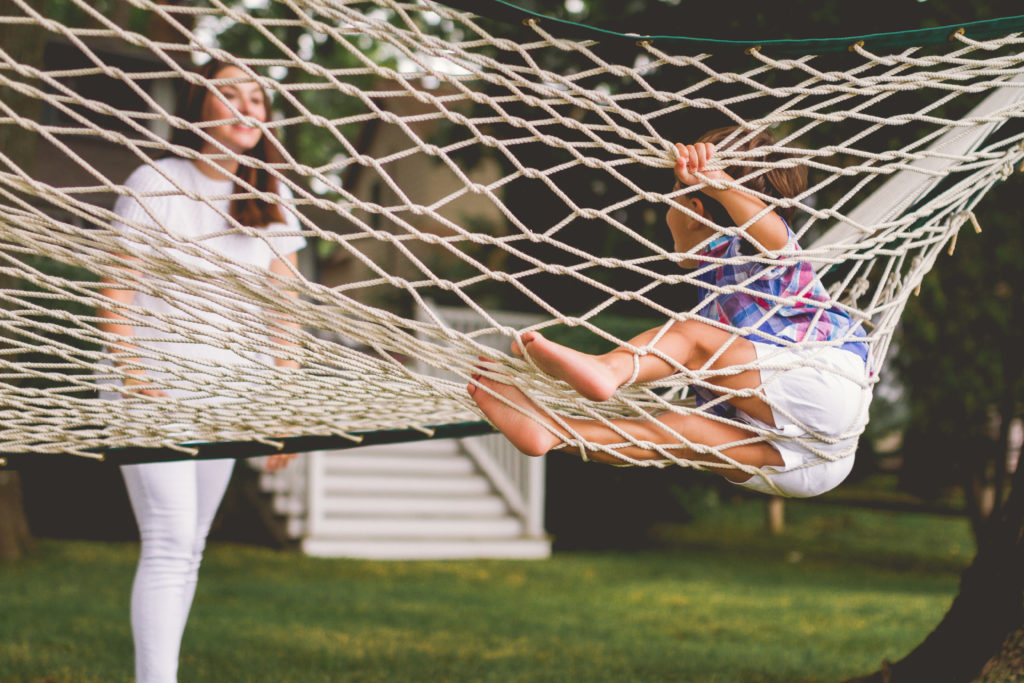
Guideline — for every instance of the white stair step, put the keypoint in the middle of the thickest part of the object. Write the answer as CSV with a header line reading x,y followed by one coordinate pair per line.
x,y
295,527
388,506
398,464
418,528
427,448
516,548
288,506
443,486
273,484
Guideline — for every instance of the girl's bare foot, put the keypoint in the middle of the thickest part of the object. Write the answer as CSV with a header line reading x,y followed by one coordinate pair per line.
x,y
587,374
527,432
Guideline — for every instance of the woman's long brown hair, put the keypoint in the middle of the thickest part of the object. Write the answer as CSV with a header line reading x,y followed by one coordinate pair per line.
x,y
251,212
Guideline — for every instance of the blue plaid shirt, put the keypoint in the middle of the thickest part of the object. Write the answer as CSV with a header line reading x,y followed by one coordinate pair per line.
x,y
785,304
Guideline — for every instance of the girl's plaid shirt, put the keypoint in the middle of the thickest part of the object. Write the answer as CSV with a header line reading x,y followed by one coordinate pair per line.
x,y
776,304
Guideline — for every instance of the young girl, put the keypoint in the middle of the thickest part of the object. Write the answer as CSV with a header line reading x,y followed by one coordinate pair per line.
x,y
817,401
175,502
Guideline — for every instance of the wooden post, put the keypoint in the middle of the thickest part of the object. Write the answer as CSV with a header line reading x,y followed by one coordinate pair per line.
x,y
775,515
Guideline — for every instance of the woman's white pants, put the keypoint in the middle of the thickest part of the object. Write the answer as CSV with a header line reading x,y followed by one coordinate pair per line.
x,y
174,504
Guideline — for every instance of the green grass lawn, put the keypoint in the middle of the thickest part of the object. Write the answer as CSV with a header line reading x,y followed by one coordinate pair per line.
x,y
829,599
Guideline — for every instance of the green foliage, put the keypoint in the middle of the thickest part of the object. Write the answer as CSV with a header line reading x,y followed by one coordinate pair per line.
x,y
311,145
722,602
960,347
72,14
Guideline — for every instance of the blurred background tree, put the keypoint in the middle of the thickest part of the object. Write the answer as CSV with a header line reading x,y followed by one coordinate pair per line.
x,y
960,363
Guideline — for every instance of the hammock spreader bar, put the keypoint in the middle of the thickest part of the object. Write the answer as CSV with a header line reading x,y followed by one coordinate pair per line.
x,y
250,449
502,10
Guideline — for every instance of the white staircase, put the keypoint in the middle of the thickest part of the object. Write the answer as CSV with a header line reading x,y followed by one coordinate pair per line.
x,y
416,500
443,499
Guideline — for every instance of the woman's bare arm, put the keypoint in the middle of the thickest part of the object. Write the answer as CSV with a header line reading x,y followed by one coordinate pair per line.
x,y
284,268
116,324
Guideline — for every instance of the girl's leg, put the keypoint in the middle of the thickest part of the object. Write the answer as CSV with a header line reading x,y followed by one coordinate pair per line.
x,y
163,497
594,376
690,343
212,478
536,433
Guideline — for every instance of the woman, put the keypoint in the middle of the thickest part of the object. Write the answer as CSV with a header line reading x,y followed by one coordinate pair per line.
x,y
175,502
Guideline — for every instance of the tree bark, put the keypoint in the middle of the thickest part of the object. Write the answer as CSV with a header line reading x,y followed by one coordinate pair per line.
x,y
1008,664
981,632
15,538
25,45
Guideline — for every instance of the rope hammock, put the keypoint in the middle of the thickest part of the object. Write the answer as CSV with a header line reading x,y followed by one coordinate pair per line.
x,y
452,166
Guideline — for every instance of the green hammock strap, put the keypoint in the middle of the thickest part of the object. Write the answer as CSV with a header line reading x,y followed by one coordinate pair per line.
x,y
503,10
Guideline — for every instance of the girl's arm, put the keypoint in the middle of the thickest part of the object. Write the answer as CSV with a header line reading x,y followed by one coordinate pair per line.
x,y
769,230
115,323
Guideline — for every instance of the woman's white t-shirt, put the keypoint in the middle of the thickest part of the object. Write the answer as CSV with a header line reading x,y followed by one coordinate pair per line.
x,y
164,222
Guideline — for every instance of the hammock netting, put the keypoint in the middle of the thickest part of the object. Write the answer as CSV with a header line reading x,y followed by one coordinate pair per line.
x,y
448,166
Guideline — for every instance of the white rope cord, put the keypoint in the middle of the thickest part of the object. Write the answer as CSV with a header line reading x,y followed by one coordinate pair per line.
x,y
452,131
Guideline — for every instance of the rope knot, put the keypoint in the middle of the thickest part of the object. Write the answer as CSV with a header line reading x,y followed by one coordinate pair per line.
x,y
859,288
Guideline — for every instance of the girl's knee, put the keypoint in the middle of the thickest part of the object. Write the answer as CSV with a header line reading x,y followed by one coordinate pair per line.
x,y
700,340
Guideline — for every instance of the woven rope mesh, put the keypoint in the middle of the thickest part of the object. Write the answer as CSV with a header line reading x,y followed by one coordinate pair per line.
x,y
444,169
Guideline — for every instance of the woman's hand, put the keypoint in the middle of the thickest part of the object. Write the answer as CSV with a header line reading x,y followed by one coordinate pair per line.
x,y
278,461
139,385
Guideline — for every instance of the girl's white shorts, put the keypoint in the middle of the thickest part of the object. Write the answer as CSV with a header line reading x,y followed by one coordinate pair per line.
x,y
820,409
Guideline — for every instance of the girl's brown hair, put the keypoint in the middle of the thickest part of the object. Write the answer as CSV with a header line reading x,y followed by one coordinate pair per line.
x,y
777,181
251,212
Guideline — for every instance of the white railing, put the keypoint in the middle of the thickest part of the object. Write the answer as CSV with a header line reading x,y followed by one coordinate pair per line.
x,y
289,488
517,478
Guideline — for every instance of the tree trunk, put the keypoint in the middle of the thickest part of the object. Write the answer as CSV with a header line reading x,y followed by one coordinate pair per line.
x,y
15,538
23,44
1008,664
982,631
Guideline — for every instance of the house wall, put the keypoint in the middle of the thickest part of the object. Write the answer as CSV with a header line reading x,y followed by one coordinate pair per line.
x,y
425,180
